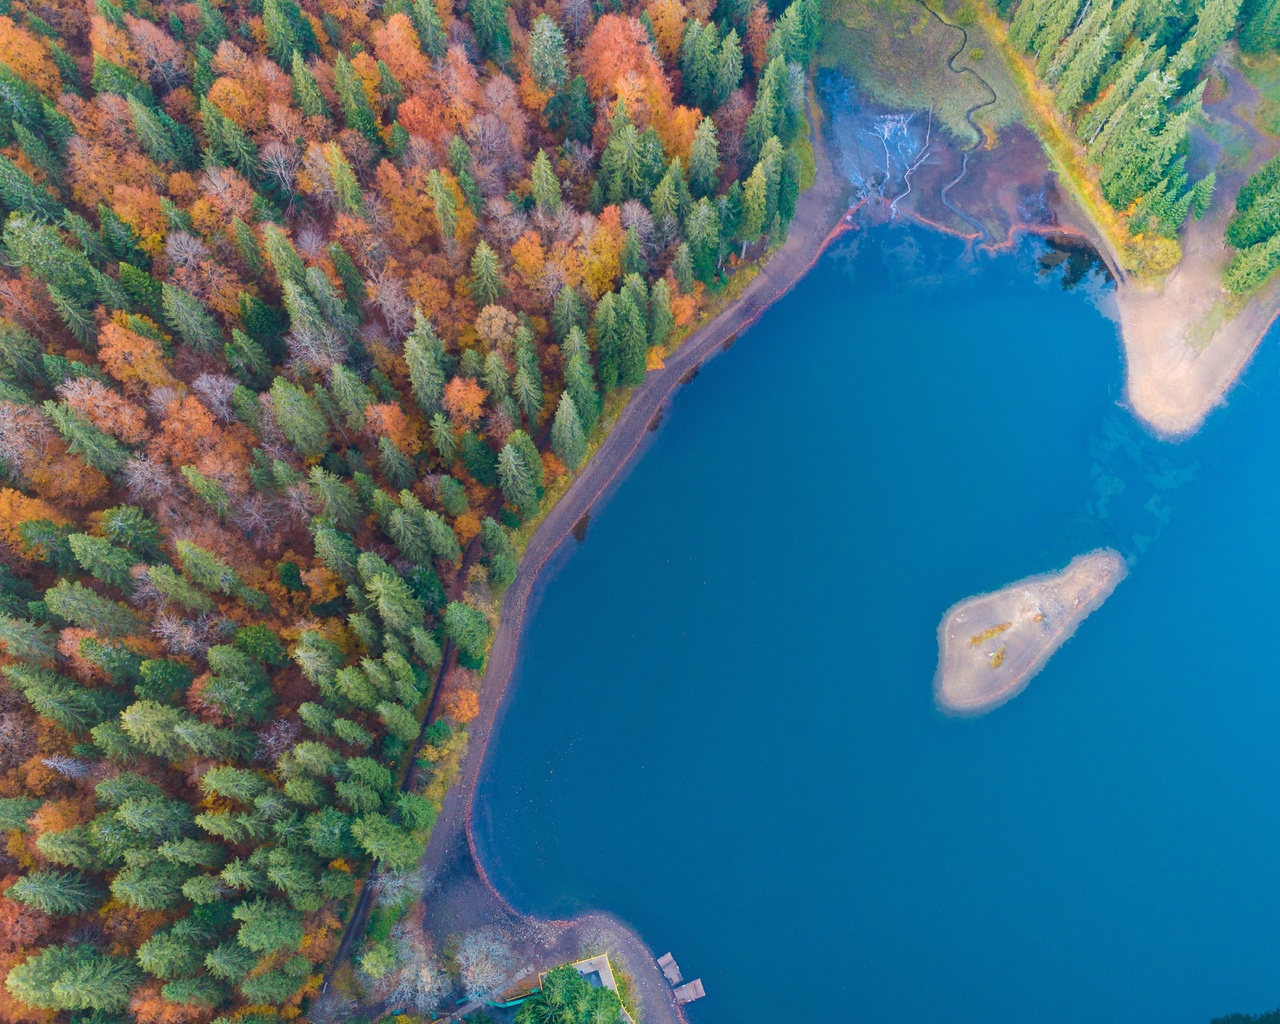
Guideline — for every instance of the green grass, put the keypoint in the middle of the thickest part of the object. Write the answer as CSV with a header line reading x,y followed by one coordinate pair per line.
x,y
898,54
1263,74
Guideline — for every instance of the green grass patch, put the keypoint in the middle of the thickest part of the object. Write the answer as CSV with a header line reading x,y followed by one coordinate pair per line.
x,y
897,52
1263,74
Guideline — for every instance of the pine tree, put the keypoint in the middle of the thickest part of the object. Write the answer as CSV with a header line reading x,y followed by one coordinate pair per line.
x,y
489,19
486,285
570,111
61,893
633,340
546,186
305,89
467,628
424,353
431,32
547,59
567,312
31,641
661,320
188,317
82,607
281,41
567,439
20,194
74,978
299,418
103,560
356,112
702,229
516,479
754,205
267,926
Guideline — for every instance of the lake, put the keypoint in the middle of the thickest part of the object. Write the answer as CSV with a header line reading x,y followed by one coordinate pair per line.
x,y
722,727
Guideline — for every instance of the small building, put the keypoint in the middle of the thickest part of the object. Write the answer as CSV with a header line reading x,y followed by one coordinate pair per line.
x,y
597,971
670,969
689,992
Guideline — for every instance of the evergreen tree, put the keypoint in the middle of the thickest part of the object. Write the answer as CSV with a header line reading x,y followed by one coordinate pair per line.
x,y
267,926
82,607
516,479
431,32
489,19
60,893
546,186
467,628
754,206
661,320
356,112
567,439
547,58
305,89
188,317
299,418
74,978
702,229
103,560
570,111
486,285
633,340
704,160
20,194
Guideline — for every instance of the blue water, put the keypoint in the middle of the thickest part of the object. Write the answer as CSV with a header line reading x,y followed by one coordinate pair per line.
x,y
722,725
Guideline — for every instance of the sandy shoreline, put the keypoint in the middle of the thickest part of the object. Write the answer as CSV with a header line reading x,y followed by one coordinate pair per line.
x,y
1182,352
991,645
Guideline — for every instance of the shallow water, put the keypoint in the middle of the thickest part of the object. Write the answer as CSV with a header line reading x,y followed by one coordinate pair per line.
x,y
722,727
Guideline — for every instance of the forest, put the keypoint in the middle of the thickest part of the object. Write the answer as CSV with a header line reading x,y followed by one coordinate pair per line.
x,y
304,309
1129,78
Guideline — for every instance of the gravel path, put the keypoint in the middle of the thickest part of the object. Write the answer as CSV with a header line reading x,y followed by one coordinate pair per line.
x,y
459,895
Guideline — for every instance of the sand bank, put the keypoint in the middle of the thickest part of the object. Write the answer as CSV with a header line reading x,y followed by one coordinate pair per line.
x,y
1187,340
989,646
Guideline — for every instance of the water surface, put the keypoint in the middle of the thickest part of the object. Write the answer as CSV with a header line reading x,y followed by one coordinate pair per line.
x,y
722,726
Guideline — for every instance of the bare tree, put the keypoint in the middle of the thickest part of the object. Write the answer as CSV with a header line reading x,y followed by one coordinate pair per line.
x,y
417,983
280,163
214,391
484,961
148,480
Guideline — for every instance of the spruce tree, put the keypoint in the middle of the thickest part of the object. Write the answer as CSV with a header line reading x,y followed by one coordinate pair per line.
x,y
545,184
60,893
547,58
299,418
704,160
567,439
489,19
486,284
356,112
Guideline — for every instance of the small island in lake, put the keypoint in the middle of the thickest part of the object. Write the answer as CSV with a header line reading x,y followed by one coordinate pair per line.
x,y
990,645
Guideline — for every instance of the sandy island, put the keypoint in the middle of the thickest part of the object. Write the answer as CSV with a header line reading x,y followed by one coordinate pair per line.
x,y
989,646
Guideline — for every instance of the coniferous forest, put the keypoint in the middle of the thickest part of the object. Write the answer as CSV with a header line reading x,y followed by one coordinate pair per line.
x,y
304,309
1129,77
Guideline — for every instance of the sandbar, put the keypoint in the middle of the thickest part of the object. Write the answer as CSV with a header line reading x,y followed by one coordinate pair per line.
x,y
991,645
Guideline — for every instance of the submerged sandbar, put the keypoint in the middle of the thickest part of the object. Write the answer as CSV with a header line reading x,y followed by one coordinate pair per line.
x,y
989,646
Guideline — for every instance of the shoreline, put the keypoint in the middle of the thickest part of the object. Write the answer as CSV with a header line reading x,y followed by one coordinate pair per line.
x,y
452,853
1110,569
